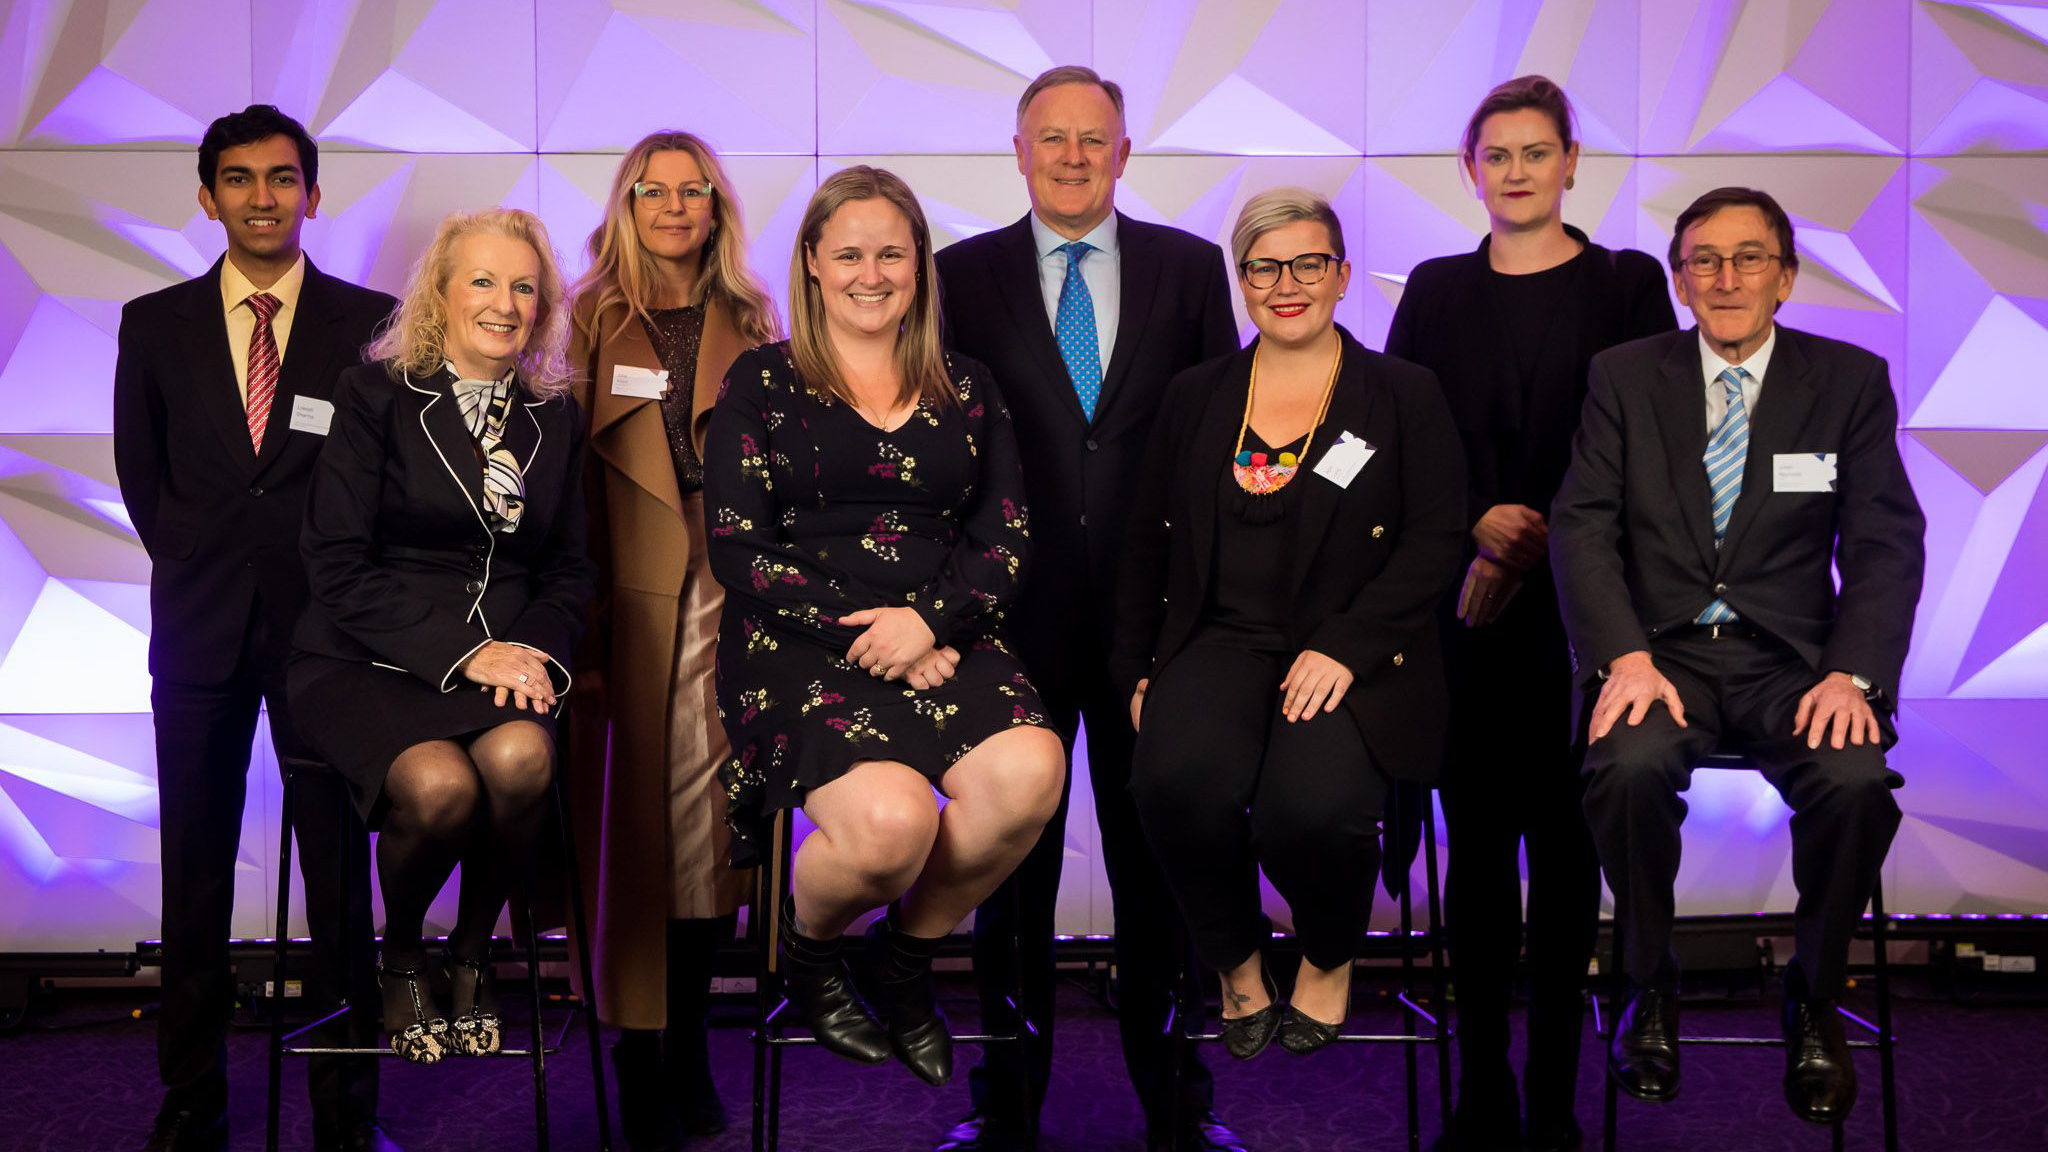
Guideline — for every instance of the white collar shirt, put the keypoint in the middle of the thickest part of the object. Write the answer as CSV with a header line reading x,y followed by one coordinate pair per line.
x,y
1711,367
1101,270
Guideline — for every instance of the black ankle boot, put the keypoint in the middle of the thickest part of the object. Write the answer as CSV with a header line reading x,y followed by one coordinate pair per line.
x,y
815,979
903,974
648,1122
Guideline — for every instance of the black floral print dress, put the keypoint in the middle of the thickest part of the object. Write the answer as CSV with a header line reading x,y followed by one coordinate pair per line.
x,y
814,513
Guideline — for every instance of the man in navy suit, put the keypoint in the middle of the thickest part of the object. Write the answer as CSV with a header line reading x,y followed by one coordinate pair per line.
x,y
220,407
1719,479
1083,314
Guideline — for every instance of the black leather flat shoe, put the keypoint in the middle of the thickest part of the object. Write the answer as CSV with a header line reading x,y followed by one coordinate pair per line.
x,y
815,979
1302,1034
917,1029
1246,1036
1642,1059
1820,1081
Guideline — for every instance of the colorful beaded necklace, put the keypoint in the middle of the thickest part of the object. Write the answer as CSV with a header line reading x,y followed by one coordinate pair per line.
x,y
1256,474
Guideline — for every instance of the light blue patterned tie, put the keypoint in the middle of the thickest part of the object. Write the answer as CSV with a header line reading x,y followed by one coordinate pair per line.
x,y
1074,328
1727,453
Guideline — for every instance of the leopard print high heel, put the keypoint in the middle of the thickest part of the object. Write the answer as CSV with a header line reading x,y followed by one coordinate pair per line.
x,y
418,1031
478,1029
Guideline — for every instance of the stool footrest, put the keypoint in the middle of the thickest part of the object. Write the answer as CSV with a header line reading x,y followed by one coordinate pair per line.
x,y
502,1052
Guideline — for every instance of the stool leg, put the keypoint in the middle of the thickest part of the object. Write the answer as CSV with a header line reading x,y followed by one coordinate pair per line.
x,y
1888,1085
275,1102
1409,1023
1436,964
581,928
759,925
1617,980
541,1134
1181,1008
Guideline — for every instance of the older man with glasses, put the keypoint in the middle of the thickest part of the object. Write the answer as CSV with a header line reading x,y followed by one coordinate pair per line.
x,y
1719,478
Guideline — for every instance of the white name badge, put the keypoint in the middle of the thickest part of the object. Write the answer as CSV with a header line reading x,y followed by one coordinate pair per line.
x,y
1803,472
1341,463
641,383
311,415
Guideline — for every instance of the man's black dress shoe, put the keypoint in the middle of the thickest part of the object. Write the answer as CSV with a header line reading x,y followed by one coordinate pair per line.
x,y
363,1136
186,1130
819,987
1642,1059
1246,1036
1820,1082
917,1029
1205,1133
977,1133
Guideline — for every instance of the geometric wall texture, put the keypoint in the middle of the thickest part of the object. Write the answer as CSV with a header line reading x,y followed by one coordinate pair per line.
x,y
1908,138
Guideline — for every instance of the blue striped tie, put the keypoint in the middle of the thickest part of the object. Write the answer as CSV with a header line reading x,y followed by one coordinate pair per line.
x,y
1074,328
1727,452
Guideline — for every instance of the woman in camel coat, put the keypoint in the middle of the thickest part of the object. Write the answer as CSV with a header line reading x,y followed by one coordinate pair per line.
x,y
666,306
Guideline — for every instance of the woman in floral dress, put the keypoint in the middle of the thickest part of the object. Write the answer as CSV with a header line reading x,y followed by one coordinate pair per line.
x,y
866,518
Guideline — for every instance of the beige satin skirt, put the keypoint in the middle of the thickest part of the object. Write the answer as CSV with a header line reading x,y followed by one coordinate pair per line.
x,y
701,884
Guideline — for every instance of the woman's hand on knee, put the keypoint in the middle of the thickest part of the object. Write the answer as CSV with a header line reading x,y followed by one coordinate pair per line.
x,y
894,640
1315,682
1138,702
937,667
520,674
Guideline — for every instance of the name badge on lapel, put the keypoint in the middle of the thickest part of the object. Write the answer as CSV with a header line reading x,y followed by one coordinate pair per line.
x,y
1803,472
1341,464
310,414
639,383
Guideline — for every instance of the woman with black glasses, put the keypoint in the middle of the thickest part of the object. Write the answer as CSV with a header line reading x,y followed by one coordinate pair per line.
x,y
1301,514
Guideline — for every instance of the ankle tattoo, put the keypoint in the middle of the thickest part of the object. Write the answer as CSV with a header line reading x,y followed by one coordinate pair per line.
x,y
1237,999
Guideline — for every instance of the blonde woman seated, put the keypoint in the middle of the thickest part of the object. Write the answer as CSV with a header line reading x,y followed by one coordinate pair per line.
x,y
866,517
1303,513
444,547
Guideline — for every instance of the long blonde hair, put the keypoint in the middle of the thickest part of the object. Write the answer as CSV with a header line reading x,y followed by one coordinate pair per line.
x,y
623,272
918,356
415,338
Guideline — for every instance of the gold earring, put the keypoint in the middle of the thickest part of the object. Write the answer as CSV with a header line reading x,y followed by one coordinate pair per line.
x,y
1569,181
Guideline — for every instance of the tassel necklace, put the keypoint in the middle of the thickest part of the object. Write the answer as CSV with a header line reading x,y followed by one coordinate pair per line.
x,y
1261,477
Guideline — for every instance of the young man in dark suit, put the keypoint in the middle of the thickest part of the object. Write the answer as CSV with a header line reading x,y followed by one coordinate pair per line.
x,y
1718,478
220,407
1083,314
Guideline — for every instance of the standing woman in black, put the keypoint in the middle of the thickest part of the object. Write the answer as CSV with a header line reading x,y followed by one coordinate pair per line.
x,y
1509,330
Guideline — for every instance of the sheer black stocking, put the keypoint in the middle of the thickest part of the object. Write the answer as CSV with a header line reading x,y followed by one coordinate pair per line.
x,y
433,795
514,764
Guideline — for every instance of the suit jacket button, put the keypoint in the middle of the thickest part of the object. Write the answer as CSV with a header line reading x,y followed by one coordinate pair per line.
x,y
1378,530
1092,445
256,490
1397,659
1084,520
473,587
1720,589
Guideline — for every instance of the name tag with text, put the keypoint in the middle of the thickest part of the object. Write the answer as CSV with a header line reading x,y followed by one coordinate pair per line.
x,y
640,383
1803,472
310,414
1341,464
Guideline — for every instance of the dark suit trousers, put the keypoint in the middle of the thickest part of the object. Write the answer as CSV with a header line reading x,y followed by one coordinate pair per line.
x,y
1017,922
203,736
1511,785
1739,694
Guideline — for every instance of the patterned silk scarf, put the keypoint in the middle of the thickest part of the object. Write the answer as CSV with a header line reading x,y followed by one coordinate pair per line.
x,y
486,405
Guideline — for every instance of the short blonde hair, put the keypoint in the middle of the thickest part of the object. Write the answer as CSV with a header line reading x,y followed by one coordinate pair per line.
x,y
918,355
415,338
1070,74
1277,208
622,272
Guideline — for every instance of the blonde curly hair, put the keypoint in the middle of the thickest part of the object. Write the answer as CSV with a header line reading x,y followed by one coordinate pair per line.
x,y
414,338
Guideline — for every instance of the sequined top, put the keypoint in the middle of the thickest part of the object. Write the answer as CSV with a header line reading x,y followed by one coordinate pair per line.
x,y
676,334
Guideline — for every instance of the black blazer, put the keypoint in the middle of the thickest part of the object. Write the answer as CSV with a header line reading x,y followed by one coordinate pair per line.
x,y
1632,535
221,522
1079,474
1517,441
1370,562
405,572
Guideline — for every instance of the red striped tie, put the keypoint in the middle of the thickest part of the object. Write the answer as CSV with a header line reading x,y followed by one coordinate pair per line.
x,y
263,366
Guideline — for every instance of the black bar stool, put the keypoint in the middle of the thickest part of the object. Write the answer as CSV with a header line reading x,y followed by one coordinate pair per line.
x,y
1186,1019
1882,1040
284,1043
764,925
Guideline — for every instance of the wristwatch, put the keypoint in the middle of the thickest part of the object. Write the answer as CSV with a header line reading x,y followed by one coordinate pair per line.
x,y
1862,683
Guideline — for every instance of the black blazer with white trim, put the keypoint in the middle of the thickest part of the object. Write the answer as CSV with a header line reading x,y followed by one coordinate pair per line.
x,y
404,570
1370,559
